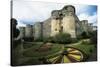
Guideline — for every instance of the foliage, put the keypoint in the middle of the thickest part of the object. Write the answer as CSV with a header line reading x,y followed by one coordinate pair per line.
x,y
39,39
28,39
85,47
84,35
61,38
32,52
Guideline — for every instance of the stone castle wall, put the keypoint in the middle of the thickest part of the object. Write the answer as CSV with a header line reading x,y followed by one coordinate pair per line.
x,y
37,30
28,31
47,28
64,20
90,27
85,25
22,32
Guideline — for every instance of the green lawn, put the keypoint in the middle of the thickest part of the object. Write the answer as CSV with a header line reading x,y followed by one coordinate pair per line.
x,y
31,52
86,47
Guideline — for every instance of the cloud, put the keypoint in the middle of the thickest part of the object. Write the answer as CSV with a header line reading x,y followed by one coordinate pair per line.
x,y
33,11
21,24
28,12
90,18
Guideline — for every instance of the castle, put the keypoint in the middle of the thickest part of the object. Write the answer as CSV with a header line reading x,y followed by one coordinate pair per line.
x,y
64,20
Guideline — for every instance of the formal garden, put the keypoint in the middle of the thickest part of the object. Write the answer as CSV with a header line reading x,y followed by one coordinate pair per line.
x,y
58,49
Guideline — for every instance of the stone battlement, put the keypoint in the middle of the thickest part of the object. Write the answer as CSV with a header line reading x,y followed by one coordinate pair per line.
x,y
64,20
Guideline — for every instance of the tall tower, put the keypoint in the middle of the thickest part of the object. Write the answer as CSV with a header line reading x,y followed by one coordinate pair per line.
x,y
28,31
90,27
47,28
55,22
22,32
94,28
69,20
85,25
38,30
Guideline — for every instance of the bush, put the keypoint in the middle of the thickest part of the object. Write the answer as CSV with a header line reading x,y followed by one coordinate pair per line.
x,y
45,40
74,40
39,39
29,39
84,35
61,38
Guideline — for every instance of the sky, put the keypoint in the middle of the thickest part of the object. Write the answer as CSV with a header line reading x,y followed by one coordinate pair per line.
x,y
29,12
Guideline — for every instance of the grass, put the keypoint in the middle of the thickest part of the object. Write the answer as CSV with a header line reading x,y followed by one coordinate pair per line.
x,y
35,55
86,47
32,53
32,45
30,48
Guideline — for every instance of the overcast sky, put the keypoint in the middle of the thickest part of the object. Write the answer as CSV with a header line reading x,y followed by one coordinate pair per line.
x,y
29,12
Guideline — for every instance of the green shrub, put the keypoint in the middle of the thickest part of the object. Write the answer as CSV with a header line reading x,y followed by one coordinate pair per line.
x,y
74,40
39,39
28,39
84,35
61,38
45,40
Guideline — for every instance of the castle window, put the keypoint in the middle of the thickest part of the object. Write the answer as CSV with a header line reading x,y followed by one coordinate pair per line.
x,y
61,27
61,30
57,18
61,15
56,29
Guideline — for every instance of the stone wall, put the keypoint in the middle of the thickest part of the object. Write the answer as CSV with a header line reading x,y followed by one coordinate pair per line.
x,y
78,25
85,25
28,31
37,30
64,20
55,26
90,27
22,32
94,28
69,25
47,28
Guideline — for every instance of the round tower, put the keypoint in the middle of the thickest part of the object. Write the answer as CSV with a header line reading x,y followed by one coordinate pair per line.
x,y
90,27
84,24
55,22
22,32
38,30
69,20
28,31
